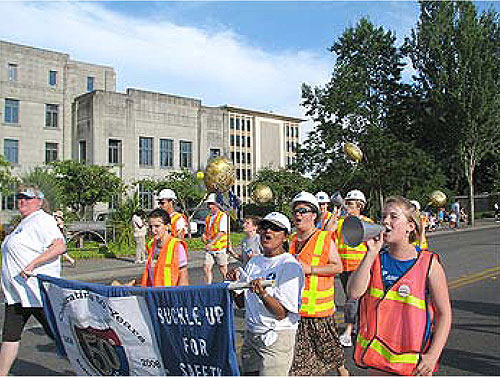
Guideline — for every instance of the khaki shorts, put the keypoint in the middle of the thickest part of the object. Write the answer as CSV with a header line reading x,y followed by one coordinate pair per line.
x,y
273,360
219,257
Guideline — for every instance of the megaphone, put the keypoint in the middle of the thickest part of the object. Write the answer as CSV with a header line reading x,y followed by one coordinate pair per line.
x,y
337,200
356,231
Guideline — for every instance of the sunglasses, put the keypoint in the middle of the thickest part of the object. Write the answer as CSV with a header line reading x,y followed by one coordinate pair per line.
x,y
161,202
270,226
302,211
24,197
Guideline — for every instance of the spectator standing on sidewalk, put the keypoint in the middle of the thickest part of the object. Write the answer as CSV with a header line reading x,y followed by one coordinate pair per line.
x,y
455,206
140,230
33,247
496,207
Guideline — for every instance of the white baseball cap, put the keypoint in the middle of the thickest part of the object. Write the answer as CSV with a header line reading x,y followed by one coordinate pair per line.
x,y
168,194
278,219
32,193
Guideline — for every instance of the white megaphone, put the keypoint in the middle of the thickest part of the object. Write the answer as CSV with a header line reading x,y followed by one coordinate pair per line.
x,y
356,231
337,200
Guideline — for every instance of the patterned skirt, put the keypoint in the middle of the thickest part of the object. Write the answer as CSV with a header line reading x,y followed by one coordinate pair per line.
x,y
317,347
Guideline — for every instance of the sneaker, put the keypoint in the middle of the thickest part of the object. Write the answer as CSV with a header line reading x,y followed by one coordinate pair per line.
x,y
345,340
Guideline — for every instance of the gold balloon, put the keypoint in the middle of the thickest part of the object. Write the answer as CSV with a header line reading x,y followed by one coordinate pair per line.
x,y
219,174
262,193
353,151
437,198
200,175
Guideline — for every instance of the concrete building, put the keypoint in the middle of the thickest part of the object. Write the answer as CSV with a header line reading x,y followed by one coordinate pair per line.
x,y
54,108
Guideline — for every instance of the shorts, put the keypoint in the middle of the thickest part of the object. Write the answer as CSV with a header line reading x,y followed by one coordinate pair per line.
x,y
273,360
16,317
219,257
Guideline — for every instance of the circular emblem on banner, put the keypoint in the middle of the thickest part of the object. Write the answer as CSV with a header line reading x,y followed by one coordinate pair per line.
x,y
404,291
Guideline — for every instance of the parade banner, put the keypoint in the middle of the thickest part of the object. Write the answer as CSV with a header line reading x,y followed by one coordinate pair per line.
x,y
122,330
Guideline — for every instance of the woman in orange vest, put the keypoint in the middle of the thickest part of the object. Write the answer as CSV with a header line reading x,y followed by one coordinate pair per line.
x,y
167,263
317,348
405,311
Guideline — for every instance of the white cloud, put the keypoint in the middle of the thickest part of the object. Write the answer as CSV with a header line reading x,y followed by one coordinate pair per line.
x,y
215,66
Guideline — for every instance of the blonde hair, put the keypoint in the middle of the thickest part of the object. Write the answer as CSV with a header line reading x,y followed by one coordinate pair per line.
x,y
411,214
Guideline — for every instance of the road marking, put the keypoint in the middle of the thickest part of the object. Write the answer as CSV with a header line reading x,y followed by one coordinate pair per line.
x,y
472,278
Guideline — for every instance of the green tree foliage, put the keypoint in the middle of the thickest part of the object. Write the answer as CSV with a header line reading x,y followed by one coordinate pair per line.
x,y
284,183
82,186
456,54
122,217
7,179
358,105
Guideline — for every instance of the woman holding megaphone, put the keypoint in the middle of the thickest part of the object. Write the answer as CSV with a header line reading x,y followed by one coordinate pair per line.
x,y
405,311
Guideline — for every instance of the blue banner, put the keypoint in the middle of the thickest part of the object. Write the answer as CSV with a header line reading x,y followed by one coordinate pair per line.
x,y
122,330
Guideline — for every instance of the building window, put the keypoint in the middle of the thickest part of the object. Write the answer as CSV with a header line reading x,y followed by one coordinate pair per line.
x,y
238,157
238,174
146,197
243,157
248,141
249,174
186,154
82,151
237,123
231,123
9,202
237,140
166,153
11,111
12,72
232,156
90,83
52,78
248,158
114,151
214,152
11,150
232,140
146,151
51,112
248,125
50,152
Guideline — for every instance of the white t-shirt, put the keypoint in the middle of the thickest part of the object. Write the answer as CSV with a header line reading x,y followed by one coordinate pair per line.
x,y
288,285
29,240
138,225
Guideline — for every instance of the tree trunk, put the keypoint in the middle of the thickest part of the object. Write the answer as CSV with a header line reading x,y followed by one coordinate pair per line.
x,y
381,198
471,193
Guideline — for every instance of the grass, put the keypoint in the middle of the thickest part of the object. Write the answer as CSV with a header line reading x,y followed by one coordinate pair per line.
x,y
95,250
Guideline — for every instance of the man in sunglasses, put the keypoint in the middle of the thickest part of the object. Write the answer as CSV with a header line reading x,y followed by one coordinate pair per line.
x,y
318,349
178,221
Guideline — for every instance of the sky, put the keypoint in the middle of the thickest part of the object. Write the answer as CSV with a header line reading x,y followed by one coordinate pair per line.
x,y
250,54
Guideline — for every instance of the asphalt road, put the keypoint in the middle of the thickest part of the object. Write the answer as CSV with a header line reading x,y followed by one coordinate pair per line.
x,y
472,263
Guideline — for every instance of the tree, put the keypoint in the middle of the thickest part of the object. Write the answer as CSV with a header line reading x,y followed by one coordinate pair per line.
x,y
358,105
7,179
456,54
82,186
46,180
285,184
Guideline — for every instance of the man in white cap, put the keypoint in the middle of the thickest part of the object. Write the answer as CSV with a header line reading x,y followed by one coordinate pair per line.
x,y
215,239
178,221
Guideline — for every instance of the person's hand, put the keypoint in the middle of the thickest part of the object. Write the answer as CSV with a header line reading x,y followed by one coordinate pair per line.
x,y
426,365
306,268
27,272
256,287
233,275
375,244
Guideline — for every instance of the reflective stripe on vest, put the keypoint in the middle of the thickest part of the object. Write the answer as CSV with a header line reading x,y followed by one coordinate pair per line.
x,y
167,271
213,229
383,351
317,300
173,223
395,296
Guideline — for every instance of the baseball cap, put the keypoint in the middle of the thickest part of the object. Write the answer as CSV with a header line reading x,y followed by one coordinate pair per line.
x,y
167,194
278,219
31,193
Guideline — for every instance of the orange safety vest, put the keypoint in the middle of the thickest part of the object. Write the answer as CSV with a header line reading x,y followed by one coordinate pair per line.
x,y
166,271
173,223
213,229
319,291
324,220
351,256
392,323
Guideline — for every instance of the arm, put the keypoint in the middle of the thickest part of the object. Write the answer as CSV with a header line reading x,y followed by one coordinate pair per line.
x,y
333,267
183,276
441,300
333,222
272,304
58,247
359,280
